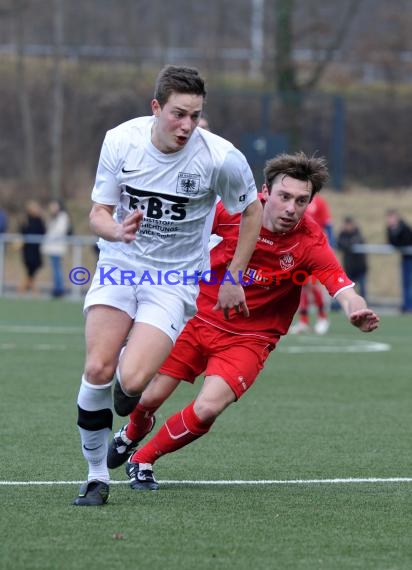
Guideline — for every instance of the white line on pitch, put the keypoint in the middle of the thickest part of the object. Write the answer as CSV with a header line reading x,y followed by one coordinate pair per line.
x,y
235,482
34,347
40,329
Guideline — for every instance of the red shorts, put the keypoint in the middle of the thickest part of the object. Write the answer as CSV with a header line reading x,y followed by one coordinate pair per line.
x,y
237,359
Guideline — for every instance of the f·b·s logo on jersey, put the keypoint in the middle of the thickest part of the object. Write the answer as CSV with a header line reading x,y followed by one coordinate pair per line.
x,y
188,184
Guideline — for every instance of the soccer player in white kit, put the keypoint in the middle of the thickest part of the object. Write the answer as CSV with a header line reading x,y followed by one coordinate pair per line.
x,y
157,180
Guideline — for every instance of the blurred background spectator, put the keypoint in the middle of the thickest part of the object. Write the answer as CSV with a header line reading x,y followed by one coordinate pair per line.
x,y
55,243
204,123
355,264
399,234
313,292
3,221
32,225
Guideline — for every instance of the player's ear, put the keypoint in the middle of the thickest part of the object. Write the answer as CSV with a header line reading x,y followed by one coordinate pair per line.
x,y
265,192
156,107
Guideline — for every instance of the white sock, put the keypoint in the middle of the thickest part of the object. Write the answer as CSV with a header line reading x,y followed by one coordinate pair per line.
x,y
94,448
95,443
93,397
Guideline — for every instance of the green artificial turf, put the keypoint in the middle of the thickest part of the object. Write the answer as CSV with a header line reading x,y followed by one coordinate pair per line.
x,y
324,410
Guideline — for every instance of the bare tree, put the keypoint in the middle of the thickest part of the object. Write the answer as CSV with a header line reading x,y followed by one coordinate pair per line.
x,y
388,60
291,88
57,112
29,163
257,38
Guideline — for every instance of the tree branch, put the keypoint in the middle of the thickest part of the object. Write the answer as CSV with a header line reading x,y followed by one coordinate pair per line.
x,y
334,45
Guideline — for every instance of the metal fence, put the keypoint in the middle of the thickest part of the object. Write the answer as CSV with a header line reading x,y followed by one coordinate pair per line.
x,y
81,254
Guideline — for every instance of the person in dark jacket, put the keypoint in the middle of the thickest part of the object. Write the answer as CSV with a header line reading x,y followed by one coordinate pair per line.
x,y
3,221
354,263
399,234
33,225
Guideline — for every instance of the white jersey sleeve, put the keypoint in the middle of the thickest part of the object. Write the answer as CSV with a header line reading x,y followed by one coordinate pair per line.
x,y
235,183
106,187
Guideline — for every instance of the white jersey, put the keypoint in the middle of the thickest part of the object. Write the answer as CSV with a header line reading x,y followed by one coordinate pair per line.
x,y
175,192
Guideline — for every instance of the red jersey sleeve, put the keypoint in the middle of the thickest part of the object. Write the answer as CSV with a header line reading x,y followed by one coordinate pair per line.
x,y
324,265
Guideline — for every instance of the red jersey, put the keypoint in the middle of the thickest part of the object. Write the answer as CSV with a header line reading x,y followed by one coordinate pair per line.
x,y
318,209
279,266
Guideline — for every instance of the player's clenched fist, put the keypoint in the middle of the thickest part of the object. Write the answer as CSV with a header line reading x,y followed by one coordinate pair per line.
x,y
129,226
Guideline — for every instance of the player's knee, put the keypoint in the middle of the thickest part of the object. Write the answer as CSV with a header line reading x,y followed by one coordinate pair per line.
x,y
99,371
208,410
133,382
157,391
151,400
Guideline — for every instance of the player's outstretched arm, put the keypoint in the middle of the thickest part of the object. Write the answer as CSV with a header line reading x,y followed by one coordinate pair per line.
x,y
103,224
357,311
231,293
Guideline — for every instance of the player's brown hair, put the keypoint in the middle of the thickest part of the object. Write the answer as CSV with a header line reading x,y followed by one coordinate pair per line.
x,y
173,79
300,166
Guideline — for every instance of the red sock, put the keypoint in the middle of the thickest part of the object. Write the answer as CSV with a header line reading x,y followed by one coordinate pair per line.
x,y
303,307
179,430
318,298
140,422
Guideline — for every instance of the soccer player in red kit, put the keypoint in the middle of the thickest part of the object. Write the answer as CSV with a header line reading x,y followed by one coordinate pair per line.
x,y
231,349
312,291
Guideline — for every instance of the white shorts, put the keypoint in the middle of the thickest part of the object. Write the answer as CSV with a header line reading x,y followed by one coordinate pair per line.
x,y
164,306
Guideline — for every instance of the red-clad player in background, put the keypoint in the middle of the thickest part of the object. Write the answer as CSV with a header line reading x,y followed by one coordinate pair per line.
x,y
313,291
232,351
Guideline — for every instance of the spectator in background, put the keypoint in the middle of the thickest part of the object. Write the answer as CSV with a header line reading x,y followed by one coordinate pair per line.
x,y
399,234
313,291
32,225
354,264
55,243
204,123
3,221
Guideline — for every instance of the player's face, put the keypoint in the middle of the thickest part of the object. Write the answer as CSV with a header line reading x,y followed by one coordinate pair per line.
x,y
176,121
286,203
